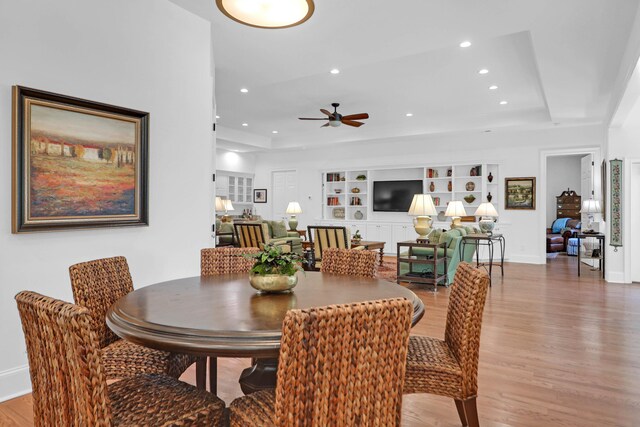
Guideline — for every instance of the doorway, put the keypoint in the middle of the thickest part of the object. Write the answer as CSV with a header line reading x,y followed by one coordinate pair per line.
x,y
561,170
634,220
285,190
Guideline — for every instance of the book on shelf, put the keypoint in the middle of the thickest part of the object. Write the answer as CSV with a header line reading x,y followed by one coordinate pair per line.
x,y
333,201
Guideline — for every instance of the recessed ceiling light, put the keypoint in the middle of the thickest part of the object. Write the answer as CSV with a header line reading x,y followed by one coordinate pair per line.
x,y
267,13
245,124
483,71
465,44
244,90
503,102
409,114
217,116
493,87
274,131
335,71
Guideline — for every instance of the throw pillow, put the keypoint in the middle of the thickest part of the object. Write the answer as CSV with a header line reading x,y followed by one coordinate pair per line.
x,y
279,229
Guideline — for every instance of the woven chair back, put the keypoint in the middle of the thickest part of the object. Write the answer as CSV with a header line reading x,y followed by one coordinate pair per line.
x,y
464,321
250,235
69,385
343,365
97,285
324,237
216,261
350,262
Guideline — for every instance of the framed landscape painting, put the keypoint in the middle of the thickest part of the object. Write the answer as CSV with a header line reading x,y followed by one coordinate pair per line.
x,y
520,193
77,163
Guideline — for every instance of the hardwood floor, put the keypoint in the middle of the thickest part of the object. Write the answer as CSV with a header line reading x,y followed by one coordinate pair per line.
x,y
556,350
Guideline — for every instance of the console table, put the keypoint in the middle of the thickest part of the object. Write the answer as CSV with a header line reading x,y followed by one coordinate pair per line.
x,y
487,240
600,257
432,278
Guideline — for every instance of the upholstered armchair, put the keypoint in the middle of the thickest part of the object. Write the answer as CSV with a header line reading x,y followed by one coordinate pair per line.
x,y
561,230
258,234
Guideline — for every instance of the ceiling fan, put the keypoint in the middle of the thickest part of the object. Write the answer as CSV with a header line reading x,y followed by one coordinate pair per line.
x,y
336,119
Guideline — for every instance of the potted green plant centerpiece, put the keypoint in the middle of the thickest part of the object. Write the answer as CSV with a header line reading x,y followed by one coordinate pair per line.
x,y
274,271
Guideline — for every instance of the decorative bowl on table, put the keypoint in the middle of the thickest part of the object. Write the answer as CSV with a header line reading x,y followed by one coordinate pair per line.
x,y
273,283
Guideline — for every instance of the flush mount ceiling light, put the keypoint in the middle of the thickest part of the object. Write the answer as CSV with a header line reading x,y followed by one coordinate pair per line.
x,y
245,124
409,114
483,71
465,44
335,71
503,102
244,90
493,87
267,13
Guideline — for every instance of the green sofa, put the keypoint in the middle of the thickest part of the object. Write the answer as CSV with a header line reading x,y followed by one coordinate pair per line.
x,y
278,235
452,238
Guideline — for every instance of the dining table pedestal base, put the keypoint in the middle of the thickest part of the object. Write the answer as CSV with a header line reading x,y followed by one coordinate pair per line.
x,y
262,375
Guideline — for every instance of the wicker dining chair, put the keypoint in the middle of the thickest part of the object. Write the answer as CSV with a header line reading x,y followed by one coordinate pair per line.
x,y
215,261
349,262
338,365
69,382
97,285
449,367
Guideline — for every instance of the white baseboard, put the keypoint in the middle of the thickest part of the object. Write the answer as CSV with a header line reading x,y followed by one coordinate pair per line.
x,y
14,382
614,276
527,259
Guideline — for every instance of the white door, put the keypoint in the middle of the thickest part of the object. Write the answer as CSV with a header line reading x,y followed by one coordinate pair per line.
x,y
285,190
634,215
586,188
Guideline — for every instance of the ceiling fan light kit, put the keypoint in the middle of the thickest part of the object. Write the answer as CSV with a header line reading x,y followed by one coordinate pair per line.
x,y
336,119
270,14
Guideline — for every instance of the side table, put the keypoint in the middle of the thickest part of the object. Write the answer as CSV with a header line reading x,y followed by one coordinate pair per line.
x,y
600,256
432,278
301,233
487,240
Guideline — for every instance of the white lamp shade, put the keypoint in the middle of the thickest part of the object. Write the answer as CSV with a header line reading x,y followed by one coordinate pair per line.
x,y
227,205
219,204
455,209
486,209
294,208
422,205
591,206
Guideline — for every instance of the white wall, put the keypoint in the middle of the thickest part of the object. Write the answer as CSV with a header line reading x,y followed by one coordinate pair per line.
x,y
148,55
623,144
517,152
562,172
232,161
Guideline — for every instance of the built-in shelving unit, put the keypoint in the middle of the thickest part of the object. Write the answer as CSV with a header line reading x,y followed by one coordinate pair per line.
x,y
346,193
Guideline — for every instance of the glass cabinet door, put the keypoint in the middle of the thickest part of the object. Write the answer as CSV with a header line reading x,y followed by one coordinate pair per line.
x,y
248,194
232,188
240,193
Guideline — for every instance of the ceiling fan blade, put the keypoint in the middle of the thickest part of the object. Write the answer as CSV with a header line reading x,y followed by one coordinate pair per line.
x,y
326,112
308,118
360,116
324,125
351,123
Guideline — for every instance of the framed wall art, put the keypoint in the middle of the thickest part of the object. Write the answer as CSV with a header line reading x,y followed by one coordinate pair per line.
x,y
520,193
615,216
260,195
77,163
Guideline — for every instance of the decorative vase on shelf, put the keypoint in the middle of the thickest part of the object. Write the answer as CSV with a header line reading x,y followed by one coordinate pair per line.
x,y
473,171
489,197
490,177
449,186
432,187
449,172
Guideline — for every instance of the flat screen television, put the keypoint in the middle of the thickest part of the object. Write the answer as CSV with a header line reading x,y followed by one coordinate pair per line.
x,y
395,196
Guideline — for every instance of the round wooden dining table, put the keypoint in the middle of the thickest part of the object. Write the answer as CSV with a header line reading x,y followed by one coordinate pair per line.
x,y
223,316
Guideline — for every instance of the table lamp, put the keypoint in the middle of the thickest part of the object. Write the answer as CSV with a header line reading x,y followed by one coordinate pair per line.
x,y
293,209
590,207
455,210
487,212
226,206
422,208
